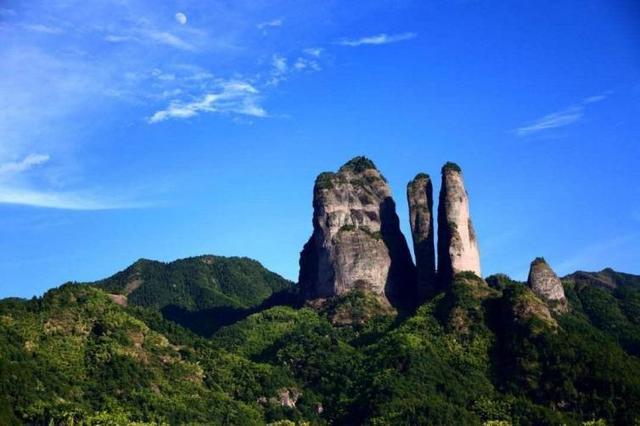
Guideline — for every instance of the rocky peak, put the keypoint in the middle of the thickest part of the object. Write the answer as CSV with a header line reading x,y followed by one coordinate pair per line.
x,y
356,241
420,198
546,285
457,244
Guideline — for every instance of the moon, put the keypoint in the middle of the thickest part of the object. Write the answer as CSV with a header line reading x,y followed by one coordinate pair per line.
x,y
181,18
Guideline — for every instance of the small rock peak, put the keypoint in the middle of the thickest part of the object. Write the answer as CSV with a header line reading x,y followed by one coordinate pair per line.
x,y
420,199
457,243
544,282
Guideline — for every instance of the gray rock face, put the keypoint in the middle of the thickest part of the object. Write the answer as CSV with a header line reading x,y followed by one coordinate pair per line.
x,y
420,198
546,285
457,244
356,240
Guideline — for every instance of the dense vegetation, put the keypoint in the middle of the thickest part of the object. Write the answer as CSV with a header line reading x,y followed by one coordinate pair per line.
x,y
196,283
474,354
358,164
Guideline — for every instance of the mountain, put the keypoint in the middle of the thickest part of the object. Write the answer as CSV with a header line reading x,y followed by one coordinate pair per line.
x,y
195,283
76,357
474,353
201,293
214,340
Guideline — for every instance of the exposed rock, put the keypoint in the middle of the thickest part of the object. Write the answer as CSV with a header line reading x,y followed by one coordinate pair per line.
x,y
118,299
356,241
457,243
285,397
525,308
288,397
420,197
546,285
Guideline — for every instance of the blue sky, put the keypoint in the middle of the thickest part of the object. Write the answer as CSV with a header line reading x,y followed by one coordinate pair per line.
x,y
166,129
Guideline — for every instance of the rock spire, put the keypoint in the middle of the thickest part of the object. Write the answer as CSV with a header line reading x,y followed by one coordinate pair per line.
x,y
546,285
356,240
420,198
457,244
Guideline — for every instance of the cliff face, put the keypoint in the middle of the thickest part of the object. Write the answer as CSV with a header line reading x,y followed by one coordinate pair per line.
x,y
546,285
420,198
356,241
457,243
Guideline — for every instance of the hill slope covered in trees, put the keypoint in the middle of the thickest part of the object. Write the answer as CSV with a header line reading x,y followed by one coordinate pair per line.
x,y
471,355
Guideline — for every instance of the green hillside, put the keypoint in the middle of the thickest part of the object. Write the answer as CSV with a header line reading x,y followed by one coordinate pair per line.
x,y
196,283
471,355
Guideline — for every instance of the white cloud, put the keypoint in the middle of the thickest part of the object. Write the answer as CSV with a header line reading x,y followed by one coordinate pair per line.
x,y
270,24
313,51
306,64
181,18
25,164
377,39
597,98
118,38
279,63
169,39
279,71
561,118
39,28
552,121
153,36
58,200
235,97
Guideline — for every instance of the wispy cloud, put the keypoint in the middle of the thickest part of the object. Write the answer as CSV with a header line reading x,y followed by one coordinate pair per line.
x,y
15,189
279,63
282,68
377,39
304,63
59,200
40,28
270,24
169,39
156,37
552,121
313,51
233,97
562,118
23,165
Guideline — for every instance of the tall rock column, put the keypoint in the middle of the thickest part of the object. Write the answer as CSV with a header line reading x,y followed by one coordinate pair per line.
x,y
356,240
546,285
420,198
457,243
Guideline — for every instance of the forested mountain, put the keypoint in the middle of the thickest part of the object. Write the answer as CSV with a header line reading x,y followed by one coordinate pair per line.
x,y
471,355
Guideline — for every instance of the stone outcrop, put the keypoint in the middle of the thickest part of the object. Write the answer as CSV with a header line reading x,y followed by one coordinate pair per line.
x,y
420,198
546,285
457,244
356,241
